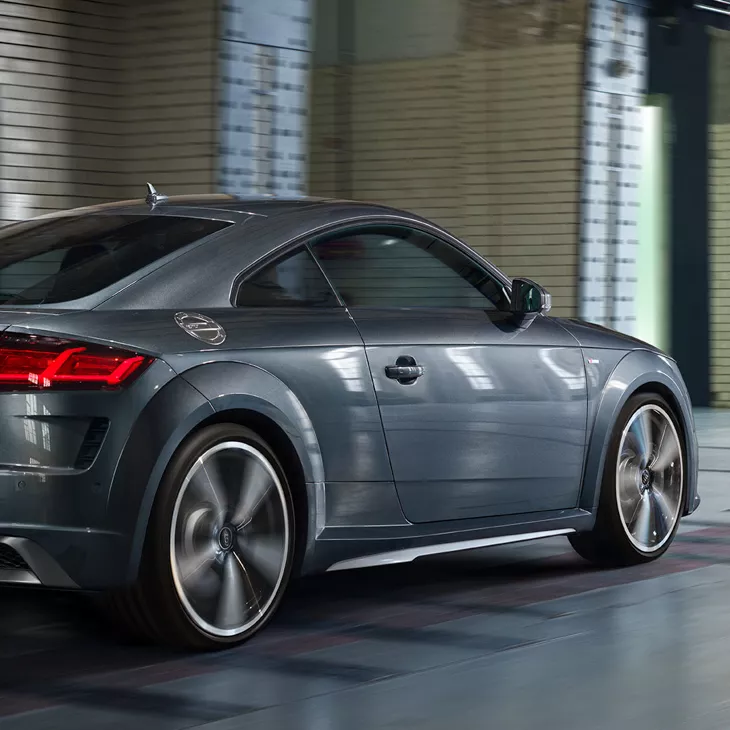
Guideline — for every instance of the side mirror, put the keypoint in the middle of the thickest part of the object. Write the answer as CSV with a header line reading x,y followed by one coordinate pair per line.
x,y
529,297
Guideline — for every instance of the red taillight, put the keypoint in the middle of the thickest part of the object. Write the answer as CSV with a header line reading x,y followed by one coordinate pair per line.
x,y
29,362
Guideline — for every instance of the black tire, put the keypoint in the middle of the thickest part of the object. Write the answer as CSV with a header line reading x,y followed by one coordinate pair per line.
x,y
154,607
609,544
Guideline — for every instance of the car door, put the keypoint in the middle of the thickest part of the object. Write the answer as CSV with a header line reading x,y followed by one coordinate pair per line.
x,y
484,414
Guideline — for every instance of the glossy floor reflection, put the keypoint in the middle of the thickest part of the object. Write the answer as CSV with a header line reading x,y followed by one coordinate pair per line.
x,y
519,637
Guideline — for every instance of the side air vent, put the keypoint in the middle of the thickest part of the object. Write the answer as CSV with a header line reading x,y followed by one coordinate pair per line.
x,y
10,560
92,443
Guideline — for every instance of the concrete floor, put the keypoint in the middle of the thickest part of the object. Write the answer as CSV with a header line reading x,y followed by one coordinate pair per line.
x,y
519,637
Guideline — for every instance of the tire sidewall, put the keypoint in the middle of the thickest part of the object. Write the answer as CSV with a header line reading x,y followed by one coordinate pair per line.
x,y
156,570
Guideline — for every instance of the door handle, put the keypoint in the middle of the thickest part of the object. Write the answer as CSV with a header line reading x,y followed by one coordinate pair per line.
x,y
406,371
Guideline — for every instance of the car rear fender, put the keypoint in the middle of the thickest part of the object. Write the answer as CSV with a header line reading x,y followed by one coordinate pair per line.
x,y
194,397
236,386
637,370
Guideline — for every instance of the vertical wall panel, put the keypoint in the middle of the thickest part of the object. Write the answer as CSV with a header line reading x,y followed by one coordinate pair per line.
x,y
264,60
615,85
719,189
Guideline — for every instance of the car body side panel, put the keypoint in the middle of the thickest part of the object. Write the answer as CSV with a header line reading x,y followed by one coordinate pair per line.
x,y
594,335
636,369
321,372
496,424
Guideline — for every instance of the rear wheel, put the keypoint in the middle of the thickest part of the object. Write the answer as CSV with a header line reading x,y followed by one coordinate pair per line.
x,y
220,544
643,487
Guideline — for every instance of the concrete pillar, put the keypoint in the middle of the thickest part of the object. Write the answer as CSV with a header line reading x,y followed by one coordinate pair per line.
x,y
615,85
264,68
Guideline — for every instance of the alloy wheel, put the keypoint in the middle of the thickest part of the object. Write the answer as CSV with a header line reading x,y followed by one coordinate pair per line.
x,y
649,478
230,539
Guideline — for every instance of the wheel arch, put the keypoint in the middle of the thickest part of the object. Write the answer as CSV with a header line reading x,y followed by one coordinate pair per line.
x,y
274,434
223,393
640,371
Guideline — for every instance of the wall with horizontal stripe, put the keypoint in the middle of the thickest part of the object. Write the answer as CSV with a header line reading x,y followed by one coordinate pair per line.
x,y
485,140
99,96
719,228
168,95
60,130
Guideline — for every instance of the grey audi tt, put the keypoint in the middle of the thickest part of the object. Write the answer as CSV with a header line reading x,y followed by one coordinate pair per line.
x,y
203,397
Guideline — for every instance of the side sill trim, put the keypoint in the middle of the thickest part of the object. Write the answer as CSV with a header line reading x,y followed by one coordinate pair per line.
x,y
407,555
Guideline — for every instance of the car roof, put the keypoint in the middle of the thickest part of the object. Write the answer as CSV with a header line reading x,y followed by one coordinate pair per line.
x,y
243,206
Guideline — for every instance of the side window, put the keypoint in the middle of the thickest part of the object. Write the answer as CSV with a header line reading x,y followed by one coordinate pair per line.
x,y
401,267
294,281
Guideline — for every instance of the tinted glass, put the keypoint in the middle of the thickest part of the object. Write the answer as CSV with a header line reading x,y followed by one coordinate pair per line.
x,y
405,268
295,281
61,259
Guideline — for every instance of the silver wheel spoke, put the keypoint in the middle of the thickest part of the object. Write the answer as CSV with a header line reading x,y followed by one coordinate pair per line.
x,y
265,554
630,506
642,522
193,566
642,429
628,483
667,454
665,510
231,609
208,485
256,486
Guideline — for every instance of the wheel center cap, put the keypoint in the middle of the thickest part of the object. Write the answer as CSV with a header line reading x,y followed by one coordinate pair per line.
x,y
225,538
646,478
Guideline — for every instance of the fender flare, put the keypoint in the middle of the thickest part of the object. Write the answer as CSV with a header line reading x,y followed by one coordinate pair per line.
x,y
192,398
636,370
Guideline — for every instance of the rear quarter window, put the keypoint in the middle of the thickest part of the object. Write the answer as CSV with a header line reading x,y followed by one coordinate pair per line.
x,y
61,259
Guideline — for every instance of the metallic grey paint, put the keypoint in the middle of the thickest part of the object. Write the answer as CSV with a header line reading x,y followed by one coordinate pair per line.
x,y
505,433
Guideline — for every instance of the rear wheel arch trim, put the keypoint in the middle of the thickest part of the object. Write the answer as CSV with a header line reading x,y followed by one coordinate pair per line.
x,y
634,377
251,389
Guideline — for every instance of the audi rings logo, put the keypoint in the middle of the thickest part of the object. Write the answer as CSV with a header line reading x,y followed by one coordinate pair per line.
x,y
201,327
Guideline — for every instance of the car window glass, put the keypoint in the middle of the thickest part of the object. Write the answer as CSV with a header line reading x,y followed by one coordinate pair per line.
x,y
405,268
69,257
294,281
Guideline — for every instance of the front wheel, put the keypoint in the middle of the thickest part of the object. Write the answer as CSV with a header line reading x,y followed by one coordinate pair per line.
x,y
643,487
220,544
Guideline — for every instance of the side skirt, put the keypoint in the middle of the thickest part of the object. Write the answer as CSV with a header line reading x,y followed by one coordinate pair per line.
x,y
345,548
407,555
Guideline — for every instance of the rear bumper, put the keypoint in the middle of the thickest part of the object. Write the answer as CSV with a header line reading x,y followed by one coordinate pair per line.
x,y
68,511
65,559
24,562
